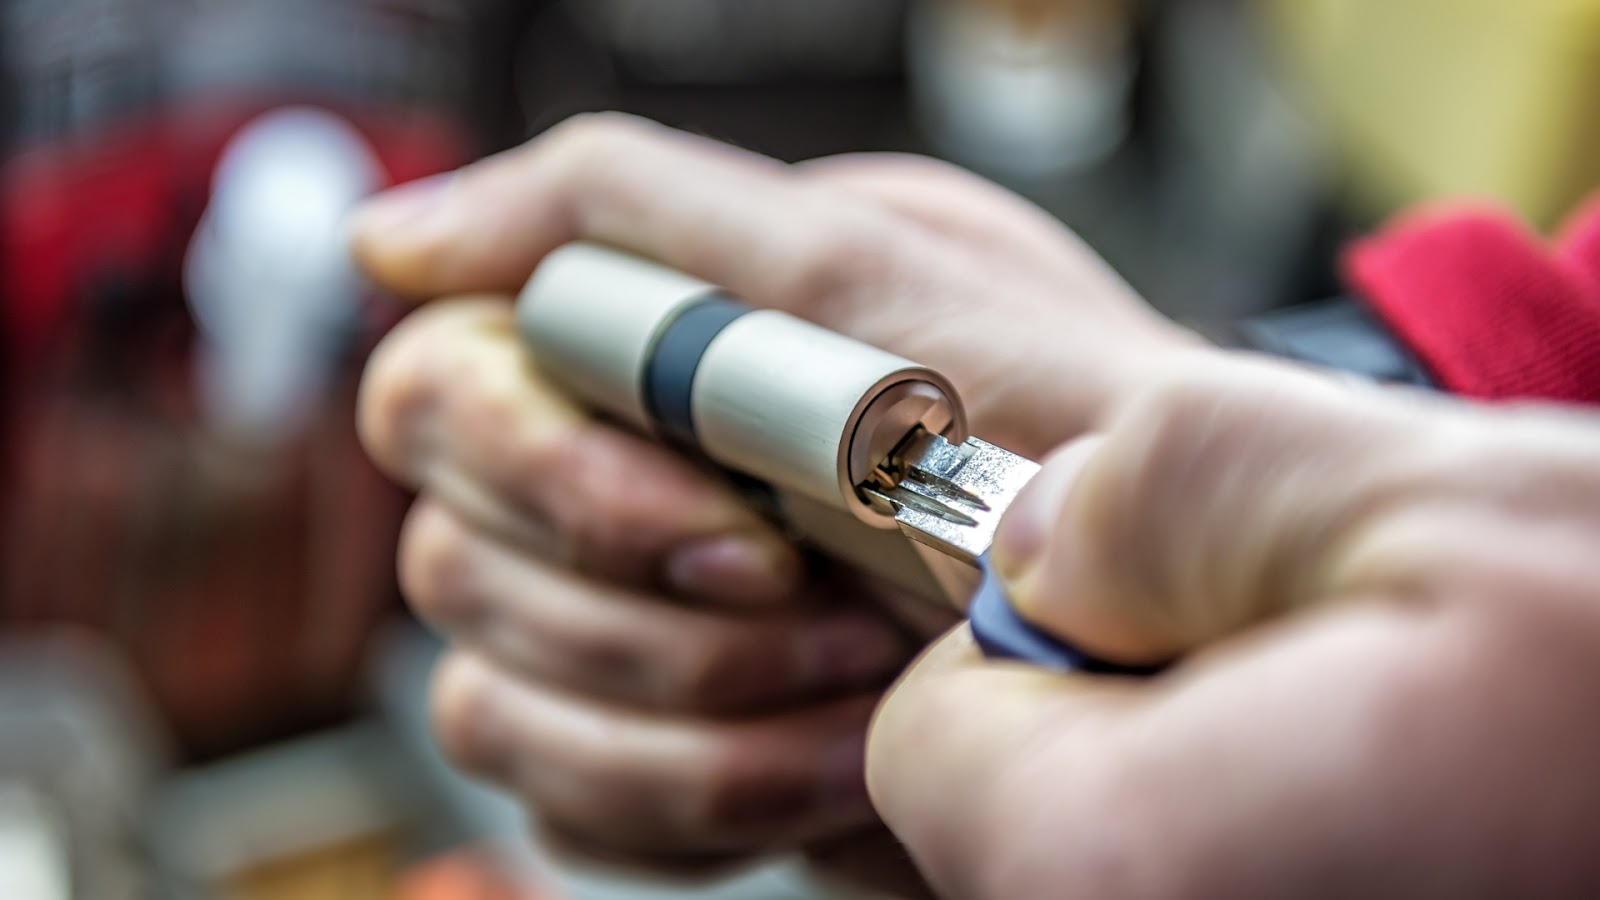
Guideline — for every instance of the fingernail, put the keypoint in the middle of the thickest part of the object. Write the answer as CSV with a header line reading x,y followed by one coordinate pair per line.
x,y
1025,529
402,208
848,652
733,569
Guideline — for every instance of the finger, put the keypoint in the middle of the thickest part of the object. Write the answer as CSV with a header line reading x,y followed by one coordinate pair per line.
x,y
945,736
654,785
1046,273
449,405
779,238
1214,501
1005,782
734,218
612,642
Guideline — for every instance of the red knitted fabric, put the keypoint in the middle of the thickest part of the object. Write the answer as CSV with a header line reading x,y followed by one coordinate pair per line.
x,y
1489,309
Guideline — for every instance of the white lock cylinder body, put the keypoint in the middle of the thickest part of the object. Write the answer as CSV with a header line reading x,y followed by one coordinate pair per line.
x,y
761,392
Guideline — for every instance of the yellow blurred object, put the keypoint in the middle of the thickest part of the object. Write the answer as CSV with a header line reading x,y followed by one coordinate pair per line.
x,y
1426,98
360,869
466,873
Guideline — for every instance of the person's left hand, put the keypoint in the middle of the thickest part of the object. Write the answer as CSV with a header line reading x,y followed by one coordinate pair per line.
x,y
635,653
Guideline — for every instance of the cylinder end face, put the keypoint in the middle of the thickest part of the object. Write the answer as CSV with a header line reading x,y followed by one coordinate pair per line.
x,y
905,403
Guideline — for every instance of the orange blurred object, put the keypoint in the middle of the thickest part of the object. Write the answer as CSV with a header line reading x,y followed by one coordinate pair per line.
x,y
466,874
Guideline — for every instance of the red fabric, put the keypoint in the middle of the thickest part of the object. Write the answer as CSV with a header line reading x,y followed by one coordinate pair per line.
x,y
243,592
128,197
1489,308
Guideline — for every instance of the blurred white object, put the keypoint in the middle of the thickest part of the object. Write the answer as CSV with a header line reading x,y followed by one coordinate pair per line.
x,y
782,879
1021,94
34,862
343,793
268,277
80,749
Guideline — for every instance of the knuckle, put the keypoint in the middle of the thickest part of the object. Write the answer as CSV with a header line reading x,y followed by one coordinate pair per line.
x,y
829,267
853,171
1163,404
436,566
1167,464
586,135
1218,485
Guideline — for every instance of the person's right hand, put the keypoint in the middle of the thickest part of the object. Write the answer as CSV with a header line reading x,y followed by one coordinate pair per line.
x,y
635,652
1385,608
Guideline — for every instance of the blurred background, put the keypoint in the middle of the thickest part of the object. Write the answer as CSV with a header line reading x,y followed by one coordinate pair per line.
x,y
208,685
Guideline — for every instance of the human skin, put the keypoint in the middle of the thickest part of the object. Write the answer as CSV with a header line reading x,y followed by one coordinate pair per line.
x,y
1385,609
637,655
1383,605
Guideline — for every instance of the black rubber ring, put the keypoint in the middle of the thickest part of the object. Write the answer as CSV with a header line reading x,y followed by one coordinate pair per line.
x,y
668,380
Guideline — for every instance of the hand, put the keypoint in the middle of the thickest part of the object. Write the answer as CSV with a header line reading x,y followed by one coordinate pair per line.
x,y
1387,609
634,652
903,252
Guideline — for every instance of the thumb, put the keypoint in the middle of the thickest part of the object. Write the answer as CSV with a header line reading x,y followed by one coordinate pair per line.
x,y
957,744
1212,502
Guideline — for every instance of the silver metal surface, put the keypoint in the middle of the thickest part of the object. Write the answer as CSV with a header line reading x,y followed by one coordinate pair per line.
x,y
950,497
